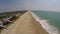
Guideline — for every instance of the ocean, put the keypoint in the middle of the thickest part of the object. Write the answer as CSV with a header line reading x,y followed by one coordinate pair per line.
x,y
53,18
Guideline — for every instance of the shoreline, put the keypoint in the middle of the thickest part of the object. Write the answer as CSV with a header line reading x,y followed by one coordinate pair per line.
x,y
44,23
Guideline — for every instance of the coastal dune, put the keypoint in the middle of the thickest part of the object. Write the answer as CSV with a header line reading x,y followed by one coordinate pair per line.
x,y
26,24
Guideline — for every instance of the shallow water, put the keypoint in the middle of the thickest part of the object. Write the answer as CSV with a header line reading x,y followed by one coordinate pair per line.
x,y
52,17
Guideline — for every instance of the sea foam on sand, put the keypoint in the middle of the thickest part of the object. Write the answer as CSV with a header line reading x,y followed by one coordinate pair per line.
x,y
44,23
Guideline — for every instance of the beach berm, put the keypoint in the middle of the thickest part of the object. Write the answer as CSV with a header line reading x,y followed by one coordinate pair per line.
x,y
26,24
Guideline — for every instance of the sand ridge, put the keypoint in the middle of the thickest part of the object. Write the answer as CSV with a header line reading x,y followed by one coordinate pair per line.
x,y
26,24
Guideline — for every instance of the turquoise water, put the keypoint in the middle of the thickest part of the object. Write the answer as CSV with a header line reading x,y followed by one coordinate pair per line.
x,y
52,17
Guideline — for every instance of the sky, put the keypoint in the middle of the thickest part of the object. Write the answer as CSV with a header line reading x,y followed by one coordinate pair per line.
x,y
12,5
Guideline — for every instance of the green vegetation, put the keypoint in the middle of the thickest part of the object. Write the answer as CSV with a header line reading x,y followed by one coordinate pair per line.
x,y
11,13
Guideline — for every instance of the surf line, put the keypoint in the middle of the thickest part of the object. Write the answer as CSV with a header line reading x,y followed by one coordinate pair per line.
x,y
44,23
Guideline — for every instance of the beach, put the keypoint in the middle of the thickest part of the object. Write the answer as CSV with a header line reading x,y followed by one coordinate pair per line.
x,y
26,24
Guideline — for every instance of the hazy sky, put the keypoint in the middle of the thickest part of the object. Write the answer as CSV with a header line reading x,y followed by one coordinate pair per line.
x,y
9,5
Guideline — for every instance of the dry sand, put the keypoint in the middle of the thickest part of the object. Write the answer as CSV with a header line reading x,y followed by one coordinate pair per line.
x,y
26,24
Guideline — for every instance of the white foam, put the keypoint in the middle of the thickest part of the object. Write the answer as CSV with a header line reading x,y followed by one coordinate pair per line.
x,y
44,23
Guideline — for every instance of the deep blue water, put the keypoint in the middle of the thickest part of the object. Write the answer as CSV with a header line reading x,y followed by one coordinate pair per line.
x,y
52,17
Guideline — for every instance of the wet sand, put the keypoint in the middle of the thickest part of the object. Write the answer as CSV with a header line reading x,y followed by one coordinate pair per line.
x,y
26,24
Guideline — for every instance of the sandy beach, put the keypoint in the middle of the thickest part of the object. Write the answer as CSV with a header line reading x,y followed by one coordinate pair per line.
x,y
26,24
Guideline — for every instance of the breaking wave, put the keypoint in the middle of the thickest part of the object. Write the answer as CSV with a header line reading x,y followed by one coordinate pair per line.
x,y
44,23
